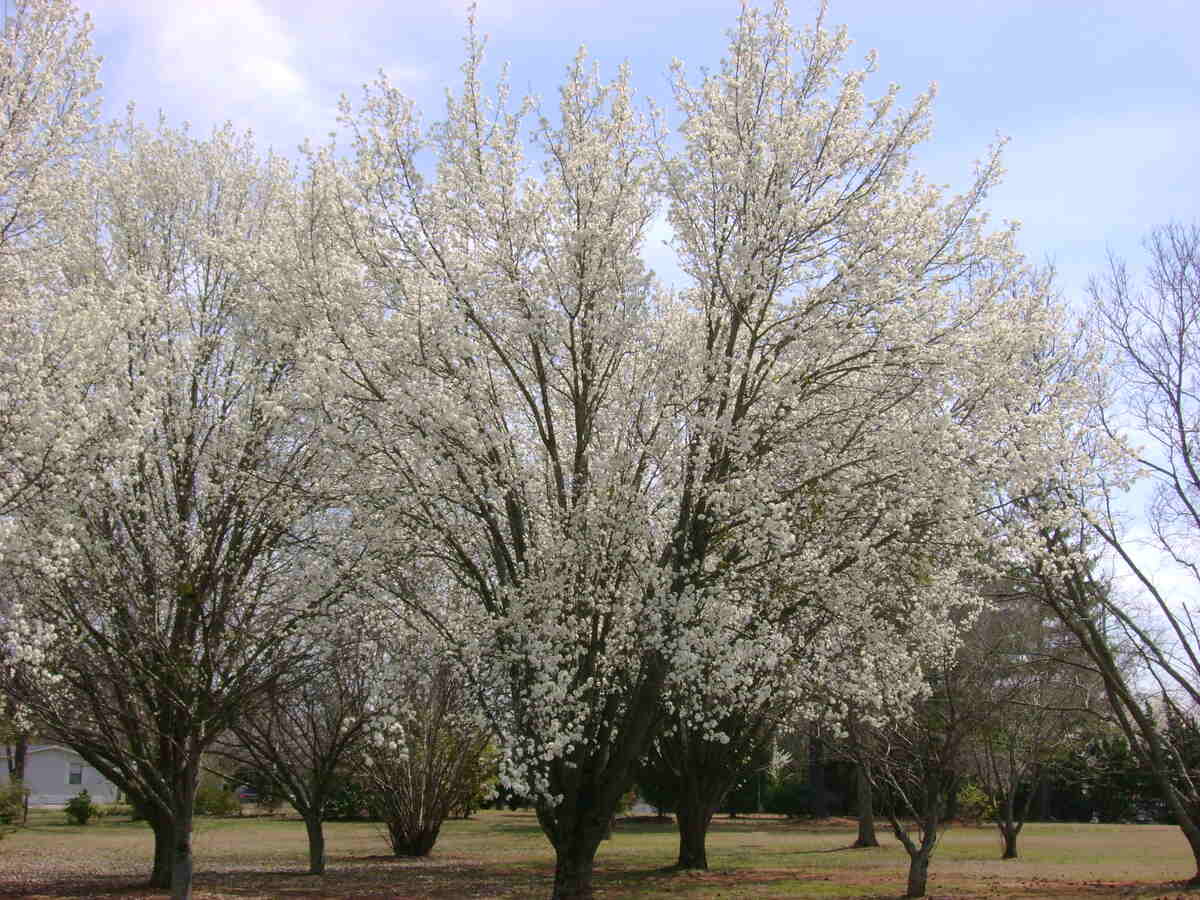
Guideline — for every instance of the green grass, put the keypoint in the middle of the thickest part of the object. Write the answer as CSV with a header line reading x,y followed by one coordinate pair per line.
x,y
503,854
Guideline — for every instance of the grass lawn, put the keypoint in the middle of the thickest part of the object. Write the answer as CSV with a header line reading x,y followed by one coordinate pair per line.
x,y
503,854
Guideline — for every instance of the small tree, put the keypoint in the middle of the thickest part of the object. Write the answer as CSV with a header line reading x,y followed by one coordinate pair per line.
x,y
427,755
80,809
299,735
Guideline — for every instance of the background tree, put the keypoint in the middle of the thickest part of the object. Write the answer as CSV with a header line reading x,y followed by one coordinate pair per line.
x,y
1040,691
48,109
301,733
1152,402
427,756
918,762
177,565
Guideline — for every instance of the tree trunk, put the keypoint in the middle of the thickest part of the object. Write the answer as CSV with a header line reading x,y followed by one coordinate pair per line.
x,y
1009,833
316,844
573,865
951,811
918,873
1008,824
1193,839
816,775
164,837
866,808
693,820
181,856
1043,794
16,761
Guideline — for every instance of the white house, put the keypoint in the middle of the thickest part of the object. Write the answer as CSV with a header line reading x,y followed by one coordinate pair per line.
x,y
54,774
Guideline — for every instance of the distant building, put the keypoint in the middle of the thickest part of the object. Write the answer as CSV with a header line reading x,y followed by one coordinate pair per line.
x,y
54,774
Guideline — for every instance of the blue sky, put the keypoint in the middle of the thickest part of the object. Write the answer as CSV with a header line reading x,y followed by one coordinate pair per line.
x,y
1100,100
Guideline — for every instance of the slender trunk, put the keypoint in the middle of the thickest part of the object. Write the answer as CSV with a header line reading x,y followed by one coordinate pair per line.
x,y
920,852
16,762
693,820
1009,824
951,812
1009,833
816,775
1043,794
918,873
316,844
866,808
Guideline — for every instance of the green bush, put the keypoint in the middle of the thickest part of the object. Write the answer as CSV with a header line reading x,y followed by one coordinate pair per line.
x,y
350,801
117,809
12,803
80,809
974,805
212,799
789,798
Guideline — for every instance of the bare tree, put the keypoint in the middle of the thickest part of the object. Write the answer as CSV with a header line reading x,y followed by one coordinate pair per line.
x,y
1153,402
1037,690
300,734
917,762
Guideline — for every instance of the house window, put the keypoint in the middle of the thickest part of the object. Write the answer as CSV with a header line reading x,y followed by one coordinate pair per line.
x,y
75,773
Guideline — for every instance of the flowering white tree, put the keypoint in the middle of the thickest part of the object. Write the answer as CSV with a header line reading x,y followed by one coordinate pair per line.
x,y
48,109
47,114
635,491
179,561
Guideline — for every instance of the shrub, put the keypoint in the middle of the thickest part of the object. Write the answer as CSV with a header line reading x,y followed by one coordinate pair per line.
x,y
974,805
80,809
117,809
212,799
350,801
12,803
789,798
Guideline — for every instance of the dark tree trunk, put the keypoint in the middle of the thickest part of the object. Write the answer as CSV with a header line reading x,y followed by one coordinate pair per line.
x,y
181,857
920,851
1043,794
576,830
1009,833
816,775
918,873
951,812
316,844
1193,839
164,841
693,820
1011,822
16,761
866,808
573,863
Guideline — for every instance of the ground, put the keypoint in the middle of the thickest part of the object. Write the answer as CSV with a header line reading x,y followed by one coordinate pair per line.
x,y
500,854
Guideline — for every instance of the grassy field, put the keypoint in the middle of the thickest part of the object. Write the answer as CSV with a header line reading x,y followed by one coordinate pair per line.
x,y
503,854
